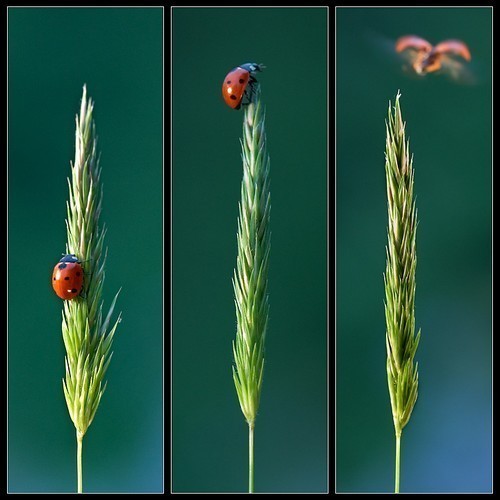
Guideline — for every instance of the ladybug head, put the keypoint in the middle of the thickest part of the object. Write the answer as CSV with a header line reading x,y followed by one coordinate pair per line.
x,y
69,258
253,67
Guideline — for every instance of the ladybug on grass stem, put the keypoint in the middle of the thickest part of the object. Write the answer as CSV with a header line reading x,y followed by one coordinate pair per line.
x,y
239,84
67,277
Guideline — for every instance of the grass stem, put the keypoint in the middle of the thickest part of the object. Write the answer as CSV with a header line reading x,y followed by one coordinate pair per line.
x,y
399,277
251,273
79,445
87,331
398,463
250,457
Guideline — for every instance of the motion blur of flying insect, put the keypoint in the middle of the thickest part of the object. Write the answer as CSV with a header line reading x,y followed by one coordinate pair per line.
x,y
450,57
417,58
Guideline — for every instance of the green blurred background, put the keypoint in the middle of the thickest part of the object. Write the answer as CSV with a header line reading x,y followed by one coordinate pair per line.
x,y
210,436
118,53
447,445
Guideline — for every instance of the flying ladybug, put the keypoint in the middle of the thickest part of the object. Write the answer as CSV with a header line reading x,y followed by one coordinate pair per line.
x,y
424,58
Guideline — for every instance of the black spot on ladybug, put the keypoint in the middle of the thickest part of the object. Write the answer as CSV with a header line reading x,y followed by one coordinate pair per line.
x,y
229,82
242,80
78,273
74,290
66,278
54,278
233,97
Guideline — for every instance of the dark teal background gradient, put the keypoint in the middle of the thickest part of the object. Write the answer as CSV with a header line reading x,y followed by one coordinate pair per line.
x,y
118,53
447,445
210,436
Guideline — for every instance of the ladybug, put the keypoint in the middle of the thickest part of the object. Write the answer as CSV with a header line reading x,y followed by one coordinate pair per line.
x,y
426,58
67,277
239,84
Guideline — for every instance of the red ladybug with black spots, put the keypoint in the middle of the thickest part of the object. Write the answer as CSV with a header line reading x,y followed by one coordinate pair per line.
x,y
239,84
67,277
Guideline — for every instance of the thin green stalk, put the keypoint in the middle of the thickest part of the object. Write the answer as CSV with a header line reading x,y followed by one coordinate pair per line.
x,y
251,273
398,463
79,440
250,458
87,336
399,277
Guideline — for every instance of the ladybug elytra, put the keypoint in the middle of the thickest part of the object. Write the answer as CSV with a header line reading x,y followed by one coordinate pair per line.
x,y
67,277
239,83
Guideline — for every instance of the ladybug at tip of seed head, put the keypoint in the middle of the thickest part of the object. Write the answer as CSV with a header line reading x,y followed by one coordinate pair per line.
x,y
67,277
239,84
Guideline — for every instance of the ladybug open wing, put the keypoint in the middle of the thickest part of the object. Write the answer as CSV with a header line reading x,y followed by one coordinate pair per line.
x,y
453,47
455,61
412,42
